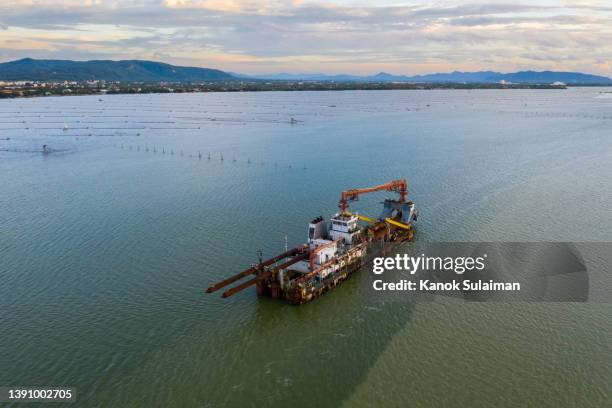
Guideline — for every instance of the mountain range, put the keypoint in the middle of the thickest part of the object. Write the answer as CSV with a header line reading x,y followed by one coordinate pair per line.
x,y
126,70
483,77
150,71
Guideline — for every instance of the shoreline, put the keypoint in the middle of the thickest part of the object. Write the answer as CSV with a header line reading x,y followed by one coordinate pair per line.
x,y
44,89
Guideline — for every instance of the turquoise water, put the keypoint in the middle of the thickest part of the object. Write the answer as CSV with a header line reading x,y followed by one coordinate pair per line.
x,y
108,243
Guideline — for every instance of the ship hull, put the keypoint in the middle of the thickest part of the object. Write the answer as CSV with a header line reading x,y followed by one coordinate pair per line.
x,y
330,255
303,294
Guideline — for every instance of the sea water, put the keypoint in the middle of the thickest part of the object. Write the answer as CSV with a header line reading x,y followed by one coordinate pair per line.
x,y
108,241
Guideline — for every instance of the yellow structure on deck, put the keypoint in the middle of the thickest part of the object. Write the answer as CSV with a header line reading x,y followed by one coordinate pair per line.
x,y
389,220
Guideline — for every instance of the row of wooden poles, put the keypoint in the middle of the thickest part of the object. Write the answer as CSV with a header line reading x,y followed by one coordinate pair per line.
x,y
208,157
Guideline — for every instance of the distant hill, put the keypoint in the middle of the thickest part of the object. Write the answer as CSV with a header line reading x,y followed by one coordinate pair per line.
x,y
127,70
483,77
150,71
456,76
570,78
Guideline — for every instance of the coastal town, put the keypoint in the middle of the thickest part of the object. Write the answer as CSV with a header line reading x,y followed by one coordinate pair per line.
x,y
25,88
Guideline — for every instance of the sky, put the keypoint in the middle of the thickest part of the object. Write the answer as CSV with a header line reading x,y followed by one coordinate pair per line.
x,y
301,36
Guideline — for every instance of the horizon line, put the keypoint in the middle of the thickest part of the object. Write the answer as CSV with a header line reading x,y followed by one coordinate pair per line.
x,y
232,72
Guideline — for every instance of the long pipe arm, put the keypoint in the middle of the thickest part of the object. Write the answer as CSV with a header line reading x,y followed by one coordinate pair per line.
x,y
263,276
254,269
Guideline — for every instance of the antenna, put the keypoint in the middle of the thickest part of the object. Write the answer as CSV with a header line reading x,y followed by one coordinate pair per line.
x,y
286,246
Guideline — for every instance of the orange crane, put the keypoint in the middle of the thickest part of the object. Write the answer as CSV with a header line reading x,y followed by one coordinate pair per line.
x,y
398,186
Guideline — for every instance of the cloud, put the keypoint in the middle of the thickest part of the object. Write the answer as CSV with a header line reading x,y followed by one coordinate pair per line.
x,y
256,36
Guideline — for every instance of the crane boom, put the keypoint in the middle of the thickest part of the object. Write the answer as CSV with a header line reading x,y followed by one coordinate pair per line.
x,y
398,186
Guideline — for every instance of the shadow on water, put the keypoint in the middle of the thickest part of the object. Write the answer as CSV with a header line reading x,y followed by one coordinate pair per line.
x,y
316,354
325,367
264,353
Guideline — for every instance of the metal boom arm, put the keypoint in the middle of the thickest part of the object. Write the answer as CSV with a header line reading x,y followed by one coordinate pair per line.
x,y
398,186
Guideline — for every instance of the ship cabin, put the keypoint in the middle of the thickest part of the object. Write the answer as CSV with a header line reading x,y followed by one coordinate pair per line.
x,y
320,240
344,226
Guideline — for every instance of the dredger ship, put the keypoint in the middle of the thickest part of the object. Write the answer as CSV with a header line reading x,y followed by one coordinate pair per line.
x,y
332,253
